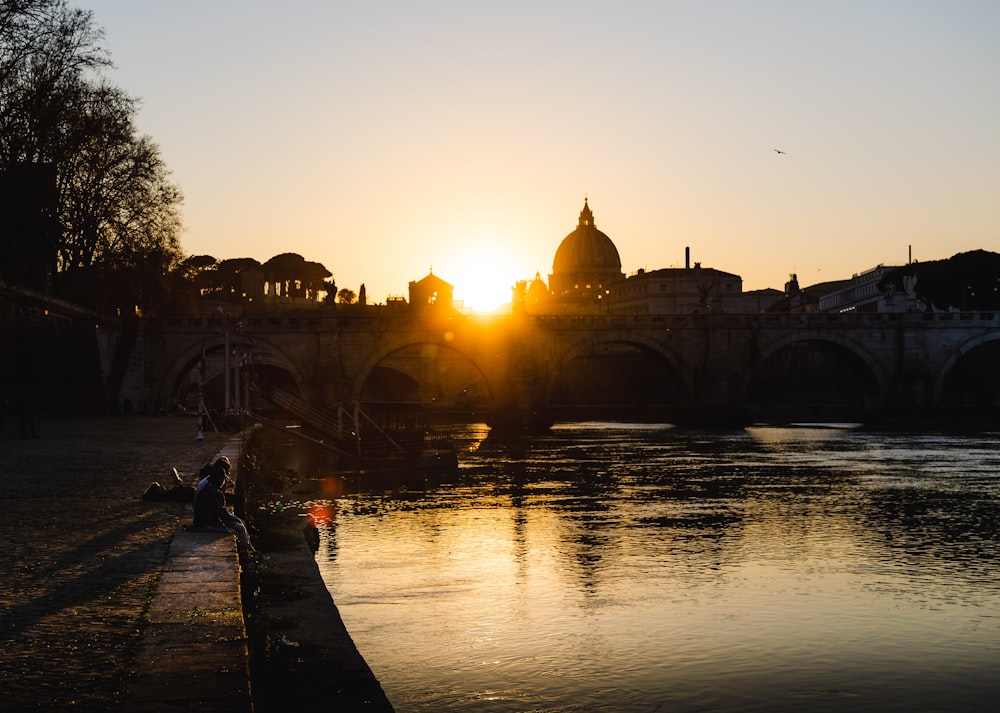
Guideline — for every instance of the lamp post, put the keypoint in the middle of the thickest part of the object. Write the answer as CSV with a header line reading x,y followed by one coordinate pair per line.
x,y
225,363
202,411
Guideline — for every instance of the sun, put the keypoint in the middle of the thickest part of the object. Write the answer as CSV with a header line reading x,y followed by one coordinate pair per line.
x,y
483,278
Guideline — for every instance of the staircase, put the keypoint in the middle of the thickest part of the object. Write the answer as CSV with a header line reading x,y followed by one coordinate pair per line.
x,y
346,429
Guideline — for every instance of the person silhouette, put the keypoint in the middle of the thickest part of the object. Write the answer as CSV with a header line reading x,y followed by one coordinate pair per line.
x,y
211,514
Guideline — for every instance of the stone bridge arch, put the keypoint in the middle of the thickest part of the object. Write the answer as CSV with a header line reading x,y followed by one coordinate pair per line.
x,y
441,341
262,352
905,360
990,385
874,383
563,350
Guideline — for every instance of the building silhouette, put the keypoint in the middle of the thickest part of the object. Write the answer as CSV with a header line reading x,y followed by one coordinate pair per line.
x,y
587,278
431,293
585,267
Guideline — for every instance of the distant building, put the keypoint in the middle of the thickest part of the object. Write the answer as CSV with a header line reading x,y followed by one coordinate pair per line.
x,y
585,267
587,277
431,293
695,290
799,300
867,291
395,302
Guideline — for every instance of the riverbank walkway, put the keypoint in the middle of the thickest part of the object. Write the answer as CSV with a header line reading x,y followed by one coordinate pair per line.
x,y
194,646
108,601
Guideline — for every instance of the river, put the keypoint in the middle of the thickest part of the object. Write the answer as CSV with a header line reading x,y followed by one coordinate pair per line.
x,y
640,568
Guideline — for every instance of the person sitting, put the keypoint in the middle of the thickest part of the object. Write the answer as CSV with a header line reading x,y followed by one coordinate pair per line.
x,y
178,492
210,512
221,463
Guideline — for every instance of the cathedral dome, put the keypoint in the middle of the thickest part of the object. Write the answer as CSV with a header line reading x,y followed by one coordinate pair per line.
x,y
537,292
586,249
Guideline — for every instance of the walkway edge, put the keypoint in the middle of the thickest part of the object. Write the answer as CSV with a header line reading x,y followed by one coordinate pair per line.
x,y
194,652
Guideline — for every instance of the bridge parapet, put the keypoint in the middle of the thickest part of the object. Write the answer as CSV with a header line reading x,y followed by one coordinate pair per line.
x,y
398,321
715,357
777,319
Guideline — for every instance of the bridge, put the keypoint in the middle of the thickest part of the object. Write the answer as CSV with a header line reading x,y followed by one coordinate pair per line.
x,y
525,370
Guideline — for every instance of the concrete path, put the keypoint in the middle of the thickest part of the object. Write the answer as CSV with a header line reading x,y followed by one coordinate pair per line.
x,y
103,597
110,603
194,649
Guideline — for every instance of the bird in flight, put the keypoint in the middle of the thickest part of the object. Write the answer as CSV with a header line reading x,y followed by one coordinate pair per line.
x,y
778,151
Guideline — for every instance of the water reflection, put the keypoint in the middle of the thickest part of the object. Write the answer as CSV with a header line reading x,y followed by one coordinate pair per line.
x,y
635,567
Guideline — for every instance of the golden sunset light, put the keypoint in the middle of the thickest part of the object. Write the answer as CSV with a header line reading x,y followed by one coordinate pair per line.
x,y
361,136
454,357
481,271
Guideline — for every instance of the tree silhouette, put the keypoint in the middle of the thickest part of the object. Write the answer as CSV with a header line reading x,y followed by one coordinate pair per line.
x,y
281,271
116,211
240,276
290,275
346,297
965,281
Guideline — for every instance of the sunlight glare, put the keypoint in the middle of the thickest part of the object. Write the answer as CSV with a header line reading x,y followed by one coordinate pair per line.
x,y
483,277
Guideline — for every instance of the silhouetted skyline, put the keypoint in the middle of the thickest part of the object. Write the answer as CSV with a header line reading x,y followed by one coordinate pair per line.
x,y
376,138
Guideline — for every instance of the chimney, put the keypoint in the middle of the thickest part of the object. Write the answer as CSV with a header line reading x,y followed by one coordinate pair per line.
x,y
687,258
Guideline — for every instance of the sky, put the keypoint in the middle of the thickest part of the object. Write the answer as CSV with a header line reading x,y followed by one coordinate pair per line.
x,y
387,140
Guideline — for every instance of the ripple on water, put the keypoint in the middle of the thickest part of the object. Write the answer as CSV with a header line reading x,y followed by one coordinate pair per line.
x,y
642,568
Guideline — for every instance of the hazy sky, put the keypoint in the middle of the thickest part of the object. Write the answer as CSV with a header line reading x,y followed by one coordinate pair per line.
x,y
386,138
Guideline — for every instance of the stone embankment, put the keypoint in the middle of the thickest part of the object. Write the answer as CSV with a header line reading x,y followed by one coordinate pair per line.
x,y
109,602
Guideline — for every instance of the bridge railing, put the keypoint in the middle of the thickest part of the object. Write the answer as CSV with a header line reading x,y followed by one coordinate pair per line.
x,y
294,323
782,319
348,424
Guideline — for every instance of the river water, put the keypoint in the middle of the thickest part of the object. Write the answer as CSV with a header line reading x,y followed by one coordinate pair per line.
x,y
640,568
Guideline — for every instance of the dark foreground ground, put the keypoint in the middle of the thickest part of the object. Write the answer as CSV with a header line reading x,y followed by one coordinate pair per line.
x,y
300,651
81,555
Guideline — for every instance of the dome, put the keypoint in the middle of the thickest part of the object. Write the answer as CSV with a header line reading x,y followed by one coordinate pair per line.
x,y
537,291
586,249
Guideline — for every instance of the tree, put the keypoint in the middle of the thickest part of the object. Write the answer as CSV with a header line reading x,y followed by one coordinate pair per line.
x,y
234,277
346,296
117,211
196,268
281,271
314,279
45,48
290,275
